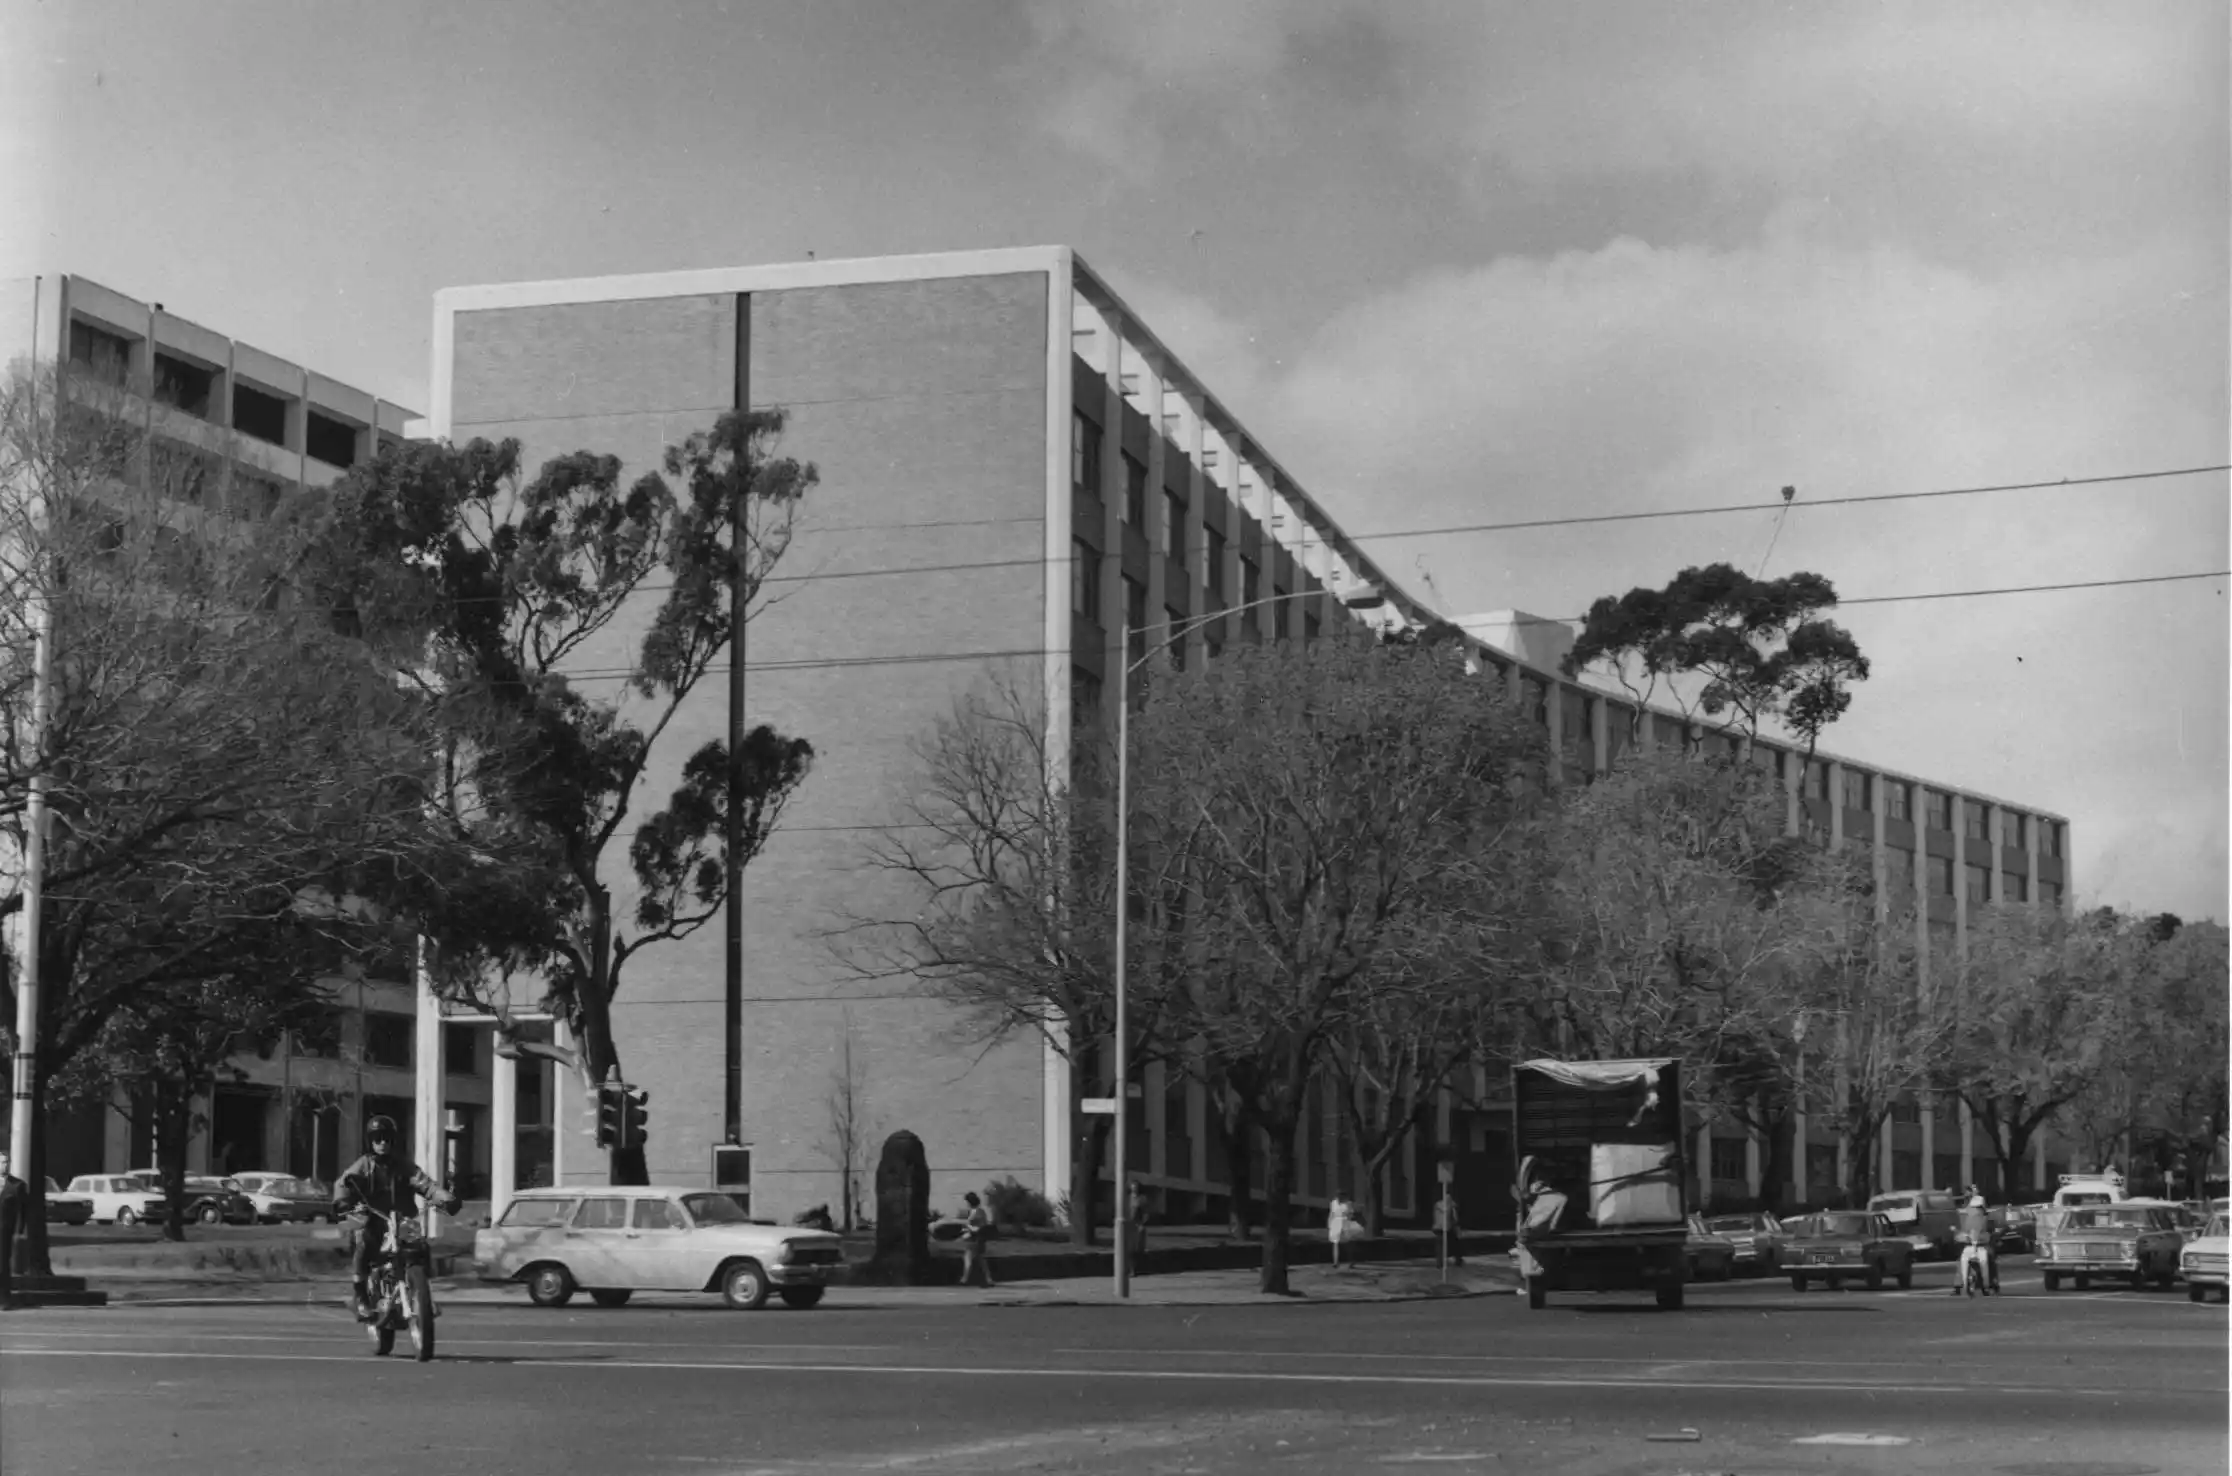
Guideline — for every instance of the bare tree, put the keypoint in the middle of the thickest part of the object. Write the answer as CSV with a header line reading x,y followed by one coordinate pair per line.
x,y
850,1144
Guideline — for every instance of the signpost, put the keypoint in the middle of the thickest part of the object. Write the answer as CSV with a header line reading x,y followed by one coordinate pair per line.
x,y
1446,1172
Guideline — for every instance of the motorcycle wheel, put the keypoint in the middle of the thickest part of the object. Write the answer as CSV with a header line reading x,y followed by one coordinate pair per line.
x,y
418,1302
382,1335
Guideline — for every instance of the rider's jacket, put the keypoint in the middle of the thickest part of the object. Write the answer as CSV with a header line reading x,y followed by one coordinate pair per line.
x,y
387,1186
1976,1226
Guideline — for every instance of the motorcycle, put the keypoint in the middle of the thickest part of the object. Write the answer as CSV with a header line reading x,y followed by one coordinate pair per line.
x,y
399,1285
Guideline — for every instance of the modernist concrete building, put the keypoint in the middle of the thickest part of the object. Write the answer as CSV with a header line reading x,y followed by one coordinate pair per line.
x,y
232,427
1013,466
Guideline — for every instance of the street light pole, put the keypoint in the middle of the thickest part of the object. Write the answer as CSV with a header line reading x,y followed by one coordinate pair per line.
x,y
1363,598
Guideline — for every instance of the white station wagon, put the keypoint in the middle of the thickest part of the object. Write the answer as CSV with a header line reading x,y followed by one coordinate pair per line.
x,y
611,1242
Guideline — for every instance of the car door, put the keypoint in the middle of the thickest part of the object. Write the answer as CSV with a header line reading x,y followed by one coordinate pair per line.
x,y
592,1244
657,1250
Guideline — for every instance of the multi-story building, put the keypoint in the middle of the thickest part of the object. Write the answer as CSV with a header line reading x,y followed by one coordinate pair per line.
x,y
1013,469
231,428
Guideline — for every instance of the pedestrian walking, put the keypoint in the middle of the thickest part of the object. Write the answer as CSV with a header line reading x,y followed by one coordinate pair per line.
x,y
1137,1211
1451,1249
1340,1225
15,1215
976,1230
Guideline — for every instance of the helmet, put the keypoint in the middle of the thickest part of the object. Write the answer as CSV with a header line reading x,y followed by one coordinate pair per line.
x,y
379,1130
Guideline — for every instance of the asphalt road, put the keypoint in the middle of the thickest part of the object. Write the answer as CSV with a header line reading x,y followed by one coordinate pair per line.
x,y
2107,1383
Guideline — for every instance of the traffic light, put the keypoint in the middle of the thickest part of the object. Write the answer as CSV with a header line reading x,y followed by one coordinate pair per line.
x,y
610,1113
634,1110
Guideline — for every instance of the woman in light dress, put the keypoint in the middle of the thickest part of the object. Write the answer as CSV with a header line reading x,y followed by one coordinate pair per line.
x,y
1340,1225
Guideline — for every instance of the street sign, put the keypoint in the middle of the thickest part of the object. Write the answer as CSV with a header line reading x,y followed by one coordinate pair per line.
x,y
1105,1106
1445,1171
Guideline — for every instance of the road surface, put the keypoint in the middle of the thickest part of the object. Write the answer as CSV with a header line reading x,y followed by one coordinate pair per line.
x,y
1751,1378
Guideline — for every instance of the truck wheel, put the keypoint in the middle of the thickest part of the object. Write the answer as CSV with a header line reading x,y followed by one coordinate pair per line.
x,y
1906,1277
1797,1283
1670,1297
2053,1281
2084,1283
1875,1276
1538,1294
2197,1294
1836,1283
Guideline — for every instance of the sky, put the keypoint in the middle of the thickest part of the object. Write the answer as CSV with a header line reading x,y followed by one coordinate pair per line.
x,y
1449,262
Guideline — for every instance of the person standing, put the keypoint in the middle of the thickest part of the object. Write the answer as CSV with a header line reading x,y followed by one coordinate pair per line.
x,y
1340,1225
976,1230
15,1213
1446,1229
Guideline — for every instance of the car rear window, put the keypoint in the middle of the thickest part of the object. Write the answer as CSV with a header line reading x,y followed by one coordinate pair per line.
x,y
1741,1224
1901,1203
532,1212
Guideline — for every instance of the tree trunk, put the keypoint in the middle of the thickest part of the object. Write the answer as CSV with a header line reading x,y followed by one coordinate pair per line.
x,y
174,1117
1774,1168
38,1255
1088,1144
1278,1194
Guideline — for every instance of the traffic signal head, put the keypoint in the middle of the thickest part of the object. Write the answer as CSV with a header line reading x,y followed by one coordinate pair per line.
x,y
634,1112
609,1113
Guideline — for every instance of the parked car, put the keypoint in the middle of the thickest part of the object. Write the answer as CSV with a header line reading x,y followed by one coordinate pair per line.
x,y
65,1208
2014,1228
285,1199
119,1199
1758,1238
1929,1218
1709,1255
2202,1262
612,1243
207,1199
2182,1217
1835,1244
2138,1242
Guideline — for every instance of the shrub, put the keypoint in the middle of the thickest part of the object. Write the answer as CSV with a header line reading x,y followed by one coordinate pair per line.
x,y
1017,1204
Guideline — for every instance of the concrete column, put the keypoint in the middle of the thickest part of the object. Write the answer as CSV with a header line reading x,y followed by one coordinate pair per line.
x,y
1751,1162
1555,727
1929,1145
1704,1162
221,411
1112,499
1197,537
1792,768
562,1121
1886,1165
2030,857
1151,530
1836,806
1959,804
298,434
1600,736
1880,859
503,1135
426,1118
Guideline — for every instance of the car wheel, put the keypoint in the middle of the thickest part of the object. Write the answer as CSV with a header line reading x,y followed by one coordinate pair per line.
x,y
1797,1283
127,1217
744,1286
1875,1277
1906,1277
801,1297
2083,1283
2197,1294
2053,1281
550,1286
611,1296
1836,1283
209,1214
1670,1297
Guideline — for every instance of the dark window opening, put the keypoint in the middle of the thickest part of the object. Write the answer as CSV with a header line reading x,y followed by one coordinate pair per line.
x,y
1251,582
1941,876
2011,830
388,1040
183,386
1174,623
1855,790
1085,454
1309,627
100,354
1135,493
1085,695
1174,527
1979,883
1973,820
1940,811
260,415
1215,574
1135,618
1084,580
1896,801
331,441
460,1050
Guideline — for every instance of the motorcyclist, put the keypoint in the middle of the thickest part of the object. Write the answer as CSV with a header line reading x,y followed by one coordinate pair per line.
x,y
1976,1230
385,1184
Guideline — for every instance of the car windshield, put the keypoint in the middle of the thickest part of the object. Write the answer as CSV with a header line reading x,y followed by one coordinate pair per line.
x,y
2219,1225
1839,1225
2111,1217
714,1209
1891,1204
205,1185
2084,1199
1740,1224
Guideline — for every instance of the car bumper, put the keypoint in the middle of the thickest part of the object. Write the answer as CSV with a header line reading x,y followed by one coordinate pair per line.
x,y
2092,1265
1829,1268
807,1273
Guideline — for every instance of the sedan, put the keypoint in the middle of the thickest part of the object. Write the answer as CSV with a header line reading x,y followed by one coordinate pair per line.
x,y
2014,1228
65,1208
2202,1262
119,1199
282,1199
1835,1244
210,1200
1758,1238
1711,1257
2137,1242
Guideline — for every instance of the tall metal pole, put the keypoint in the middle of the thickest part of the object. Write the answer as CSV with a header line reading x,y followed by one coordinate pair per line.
x,y
1123,873
25,1072
732,1012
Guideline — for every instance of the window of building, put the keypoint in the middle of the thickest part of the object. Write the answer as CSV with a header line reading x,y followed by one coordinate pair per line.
x,y
1855,790
1816,781
1135,492
183,386
1172,623
388,1040
1979,882
2017,885
1906,1109
1084,580
1535,698
1309,627
2050,893
1251,581
322,1038
1214,575
2051,837
1085,694
1174,527
1574,728
1941,876
1945,1171
100,354
1280,604
330,441
2011,830
460,1050
1906,1169
1897,799
1728,1160
1085,454
1940,810
1135,616
1974,822
260,415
